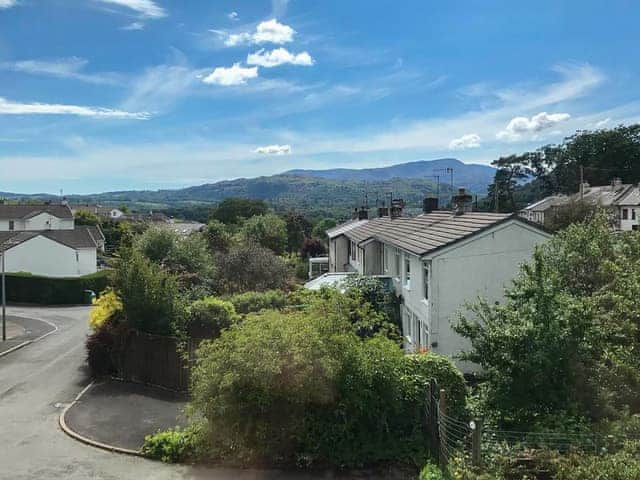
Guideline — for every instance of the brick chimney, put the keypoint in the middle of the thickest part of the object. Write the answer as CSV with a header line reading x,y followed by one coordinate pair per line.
x,y
462,202
429,204
397,205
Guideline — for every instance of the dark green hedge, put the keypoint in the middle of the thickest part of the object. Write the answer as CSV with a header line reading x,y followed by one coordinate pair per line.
x,y
26,288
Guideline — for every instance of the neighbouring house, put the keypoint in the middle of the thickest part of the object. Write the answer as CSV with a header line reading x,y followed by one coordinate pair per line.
x,y
437,262
43,240
621,200
107,213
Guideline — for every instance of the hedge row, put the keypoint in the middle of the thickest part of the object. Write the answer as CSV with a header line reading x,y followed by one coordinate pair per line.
x,y
26,288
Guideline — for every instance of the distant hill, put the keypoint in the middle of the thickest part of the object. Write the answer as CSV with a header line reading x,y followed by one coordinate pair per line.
x,y
472,176
317,192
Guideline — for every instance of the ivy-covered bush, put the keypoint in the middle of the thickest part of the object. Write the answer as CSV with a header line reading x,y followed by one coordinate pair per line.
x,y
172,446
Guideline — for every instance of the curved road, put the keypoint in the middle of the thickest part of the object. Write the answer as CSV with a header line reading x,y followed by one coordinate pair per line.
x,y
37,382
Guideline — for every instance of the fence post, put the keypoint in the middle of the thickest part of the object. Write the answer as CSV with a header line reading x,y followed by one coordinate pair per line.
x,y
442,408
476,444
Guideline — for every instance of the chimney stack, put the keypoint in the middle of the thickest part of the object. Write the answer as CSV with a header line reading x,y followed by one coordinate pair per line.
x,y
429,204
363,213
383,211
462,203
397,205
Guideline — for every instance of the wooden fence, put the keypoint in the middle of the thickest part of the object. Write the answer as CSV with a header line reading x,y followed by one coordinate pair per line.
x,y
156,360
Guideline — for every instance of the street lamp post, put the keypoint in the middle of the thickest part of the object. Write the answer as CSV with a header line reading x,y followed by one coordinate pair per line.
x,y
4,304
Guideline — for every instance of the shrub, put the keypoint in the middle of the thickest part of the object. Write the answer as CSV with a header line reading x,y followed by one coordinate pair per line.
x,y
312,247
250,267
206,318
27,288
622,465
431,472
249,302
105,308
172,446
302,387
103,346
149,294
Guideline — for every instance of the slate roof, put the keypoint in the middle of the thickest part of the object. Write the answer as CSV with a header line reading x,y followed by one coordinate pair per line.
x,y
425,233
13,212
80,237
344,227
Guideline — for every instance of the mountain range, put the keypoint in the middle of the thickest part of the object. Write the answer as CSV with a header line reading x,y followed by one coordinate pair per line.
x,y
322,192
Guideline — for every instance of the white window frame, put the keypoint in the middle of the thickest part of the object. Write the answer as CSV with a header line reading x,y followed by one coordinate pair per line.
x,y
406,277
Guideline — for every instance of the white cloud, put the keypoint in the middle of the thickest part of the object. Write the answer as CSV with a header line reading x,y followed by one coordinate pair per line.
x,y
470,140
134,26
160,87
603,122
269,31
146,8
273,150
232,15
279,56
234,75
7,4
8,107
519,126
61,68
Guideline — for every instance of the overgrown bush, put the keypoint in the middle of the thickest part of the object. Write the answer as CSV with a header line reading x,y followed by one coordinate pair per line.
x,y
250,267
431,472
206,318
249,302
299,388
103,345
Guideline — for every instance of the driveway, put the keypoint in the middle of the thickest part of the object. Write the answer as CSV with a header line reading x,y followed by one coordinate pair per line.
x,y
38,381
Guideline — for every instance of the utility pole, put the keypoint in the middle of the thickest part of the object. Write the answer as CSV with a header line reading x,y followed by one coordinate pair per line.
x,y
4,303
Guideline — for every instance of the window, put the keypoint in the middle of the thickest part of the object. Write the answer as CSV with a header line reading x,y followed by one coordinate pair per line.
x,y
407,273
385,260
352,247
415,332
633,214
397,264
625,214
12,225
426,282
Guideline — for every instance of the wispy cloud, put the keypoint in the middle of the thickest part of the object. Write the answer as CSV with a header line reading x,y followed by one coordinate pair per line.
x,y
521,126
273,150
134,26
234,75
145,8
470,140
279,56
269,31
7,4
8,107
71,67
232,16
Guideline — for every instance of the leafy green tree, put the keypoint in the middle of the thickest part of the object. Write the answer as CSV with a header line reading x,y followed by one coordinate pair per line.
x,y
233,210
157,244
218,236
84,217
510,172
148,293
320,228
561,341
268,231
564,215
248,267
298,228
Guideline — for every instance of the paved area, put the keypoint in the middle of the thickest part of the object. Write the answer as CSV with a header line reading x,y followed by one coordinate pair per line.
x,y
38,381
122,414
21,330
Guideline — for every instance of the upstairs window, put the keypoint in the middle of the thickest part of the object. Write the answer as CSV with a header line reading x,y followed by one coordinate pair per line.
x,y
426,282
12,225
633,214
407,273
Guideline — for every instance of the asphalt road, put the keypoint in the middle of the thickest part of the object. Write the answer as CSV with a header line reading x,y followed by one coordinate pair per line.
x,y
38,381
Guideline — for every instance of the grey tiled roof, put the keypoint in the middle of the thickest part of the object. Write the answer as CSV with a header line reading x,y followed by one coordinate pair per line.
x,y
344,227
13,212
80,237
425,233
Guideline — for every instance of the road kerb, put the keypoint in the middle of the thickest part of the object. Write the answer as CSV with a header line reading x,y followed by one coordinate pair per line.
x,y
27,342
88,441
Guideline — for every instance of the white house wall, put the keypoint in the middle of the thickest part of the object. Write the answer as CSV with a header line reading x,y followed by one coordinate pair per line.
x,y
338,254
46,221
481,267
42,256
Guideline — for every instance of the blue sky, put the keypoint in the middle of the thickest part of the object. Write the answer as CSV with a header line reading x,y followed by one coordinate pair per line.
x,y
100,95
